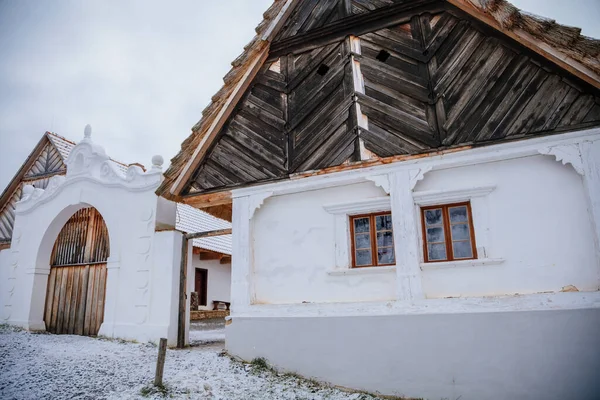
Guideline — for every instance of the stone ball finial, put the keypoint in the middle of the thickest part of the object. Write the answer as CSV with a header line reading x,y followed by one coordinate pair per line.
x,y
157,161
87,132
28,190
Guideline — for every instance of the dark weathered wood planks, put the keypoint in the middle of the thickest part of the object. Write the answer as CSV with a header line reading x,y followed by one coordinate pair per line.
x,y
433,78
75,295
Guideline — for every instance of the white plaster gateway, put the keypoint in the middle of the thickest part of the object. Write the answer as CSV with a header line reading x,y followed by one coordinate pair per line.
x,y
143,266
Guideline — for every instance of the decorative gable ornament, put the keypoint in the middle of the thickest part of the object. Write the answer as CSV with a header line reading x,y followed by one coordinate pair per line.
x,y
89,162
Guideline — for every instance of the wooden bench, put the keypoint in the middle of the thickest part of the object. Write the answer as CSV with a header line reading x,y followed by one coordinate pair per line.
x,y
217,302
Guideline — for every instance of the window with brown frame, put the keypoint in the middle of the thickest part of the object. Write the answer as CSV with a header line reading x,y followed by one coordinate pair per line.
x,y
448,232
372,240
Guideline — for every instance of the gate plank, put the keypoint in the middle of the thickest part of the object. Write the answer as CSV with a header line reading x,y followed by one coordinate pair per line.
x,y
68,298
50,299
62,300
101,297
89,300
74,300
82,301
56,300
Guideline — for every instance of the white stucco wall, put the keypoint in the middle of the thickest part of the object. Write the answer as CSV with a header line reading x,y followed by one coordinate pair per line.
x,y
219,280
539,233
5,285
537,221
294,249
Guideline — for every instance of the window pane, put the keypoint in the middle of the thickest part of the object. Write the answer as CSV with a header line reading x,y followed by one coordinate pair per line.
x,y
433,217
458,214
361,225
436,251
386,255
385,239
435,235
363,257
462,250
460,232
363,241
383,222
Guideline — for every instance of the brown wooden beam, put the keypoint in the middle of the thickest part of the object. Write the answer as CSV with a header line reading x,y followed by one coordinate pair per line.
x,y
182,294
225,260
208,200
198,235
358,24
210,255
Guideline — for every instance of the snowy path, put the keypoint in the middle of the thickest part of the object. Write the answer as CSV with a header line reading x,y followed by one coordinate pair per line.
x,y
41,366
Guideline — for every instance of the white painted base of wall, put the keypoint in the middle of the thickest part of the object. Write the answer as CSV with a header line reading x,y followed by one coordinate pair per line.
x,y
529,355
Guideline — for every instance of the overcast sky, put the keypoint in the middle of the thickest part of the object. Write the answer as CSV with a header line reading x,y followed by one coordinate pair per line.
x,y
140,72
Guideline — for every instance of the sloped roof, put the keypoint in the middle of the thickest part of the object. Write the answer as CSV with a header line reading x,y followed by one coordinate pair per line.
x,y
538,33
566,39
189,219
64,146
258,44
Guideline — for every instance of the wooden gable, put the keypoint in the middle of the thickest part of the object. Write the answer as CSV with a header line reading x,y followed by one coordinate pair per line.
x,y
43,163
394,78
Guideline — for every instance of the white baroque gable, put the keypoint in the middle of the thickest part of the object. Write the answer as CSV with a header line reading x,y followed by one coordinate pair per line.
x,y
89,162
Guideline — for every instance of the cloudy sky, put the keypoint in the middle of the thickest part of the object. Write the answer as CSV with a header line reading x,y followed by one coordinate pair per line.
x,y
139,71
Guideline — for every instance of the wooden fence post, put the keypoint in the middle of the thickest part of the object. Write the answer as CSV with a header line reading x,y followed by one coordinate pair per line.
x,y
160,363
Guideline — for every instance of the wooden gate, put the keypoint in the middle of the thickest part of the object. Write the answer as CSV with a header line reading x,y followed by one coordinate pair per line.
x,y
77,281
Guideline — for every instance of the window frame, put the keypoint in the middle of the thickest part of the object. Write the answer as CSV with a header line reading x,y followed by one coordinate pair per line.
x,y
448,231
372,237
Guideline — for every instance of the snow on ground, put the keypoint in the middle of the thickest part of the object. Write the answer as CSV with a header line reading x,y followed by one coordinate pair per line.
x,y
207,331
205,337
44,366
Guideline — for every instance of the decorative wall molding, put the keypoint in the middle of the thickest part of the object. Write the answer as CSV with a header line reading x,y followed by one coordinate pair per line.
x,y
382,181
418,174
89,162
368,205
567,154
256,201
434,197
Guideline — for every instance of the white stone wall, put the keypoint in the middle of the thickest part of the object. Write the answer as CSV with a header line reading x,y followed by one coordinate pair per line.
x,y
534,222
538,228
294,249
219,280
5,285
537,222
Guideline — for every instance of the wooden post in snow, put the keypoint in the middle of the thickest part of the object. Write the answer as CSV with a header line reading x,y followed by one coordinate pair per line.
x,y
160,363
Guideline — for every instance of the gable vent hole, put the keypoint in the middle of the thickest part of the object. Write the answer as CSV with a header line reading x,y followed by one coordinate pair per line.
x,y
323,69
383,56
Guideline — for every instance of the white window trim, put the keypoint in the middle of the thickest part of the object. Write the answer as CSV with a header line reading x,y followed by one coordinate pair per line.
x,y
480,262
343,250
478,197
362,271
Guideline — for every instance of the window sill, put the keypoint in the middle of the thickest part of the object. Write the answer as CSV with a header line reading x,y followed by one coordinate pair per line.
x,y
362,271
463,263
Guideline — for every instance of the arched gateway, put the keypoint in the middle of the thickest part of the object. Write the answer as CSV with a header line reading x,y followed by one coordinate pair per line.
x,y
77,281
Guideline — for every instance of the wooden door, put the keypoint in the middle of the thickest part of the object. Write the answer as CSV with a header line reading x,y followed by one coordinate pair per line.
x,y
76,291
201,285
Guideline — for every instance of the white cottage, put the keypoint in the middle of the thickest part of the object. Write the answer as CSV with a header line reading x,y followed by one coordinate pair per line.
x,y
88,248
415,196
